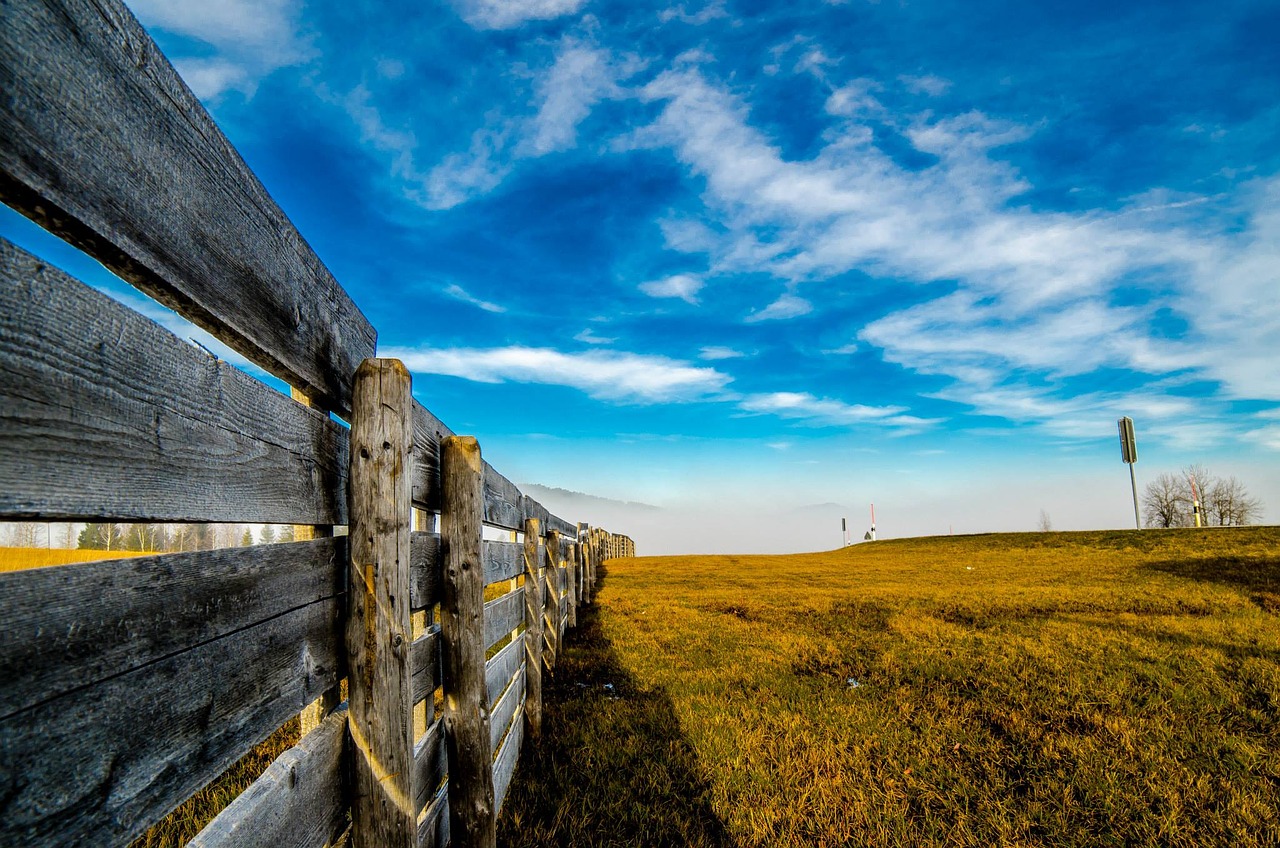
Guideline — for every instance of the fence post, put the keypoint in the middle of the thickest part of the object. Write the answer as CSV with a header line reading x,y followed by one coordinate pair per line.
x,y
466,705
378,630
533,628
551,608
572,589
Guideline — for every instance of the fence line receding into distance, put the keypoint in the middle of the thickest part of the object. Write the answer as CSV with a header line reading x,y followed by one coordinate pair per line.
x,y
130,684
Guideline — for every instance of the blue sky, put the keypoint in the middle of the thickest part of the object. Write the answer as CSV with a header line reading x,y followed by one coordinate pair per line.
x,y
741,257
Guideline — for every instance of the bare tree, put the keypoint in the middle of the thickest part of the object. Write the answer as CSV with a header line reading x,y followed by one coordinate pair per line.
x,y
1045,524
1228,503
24,534
1164,502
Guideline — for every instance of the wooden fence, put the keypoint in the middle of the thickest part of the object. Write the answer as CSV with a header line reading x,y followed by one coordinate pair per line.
x,y
130,684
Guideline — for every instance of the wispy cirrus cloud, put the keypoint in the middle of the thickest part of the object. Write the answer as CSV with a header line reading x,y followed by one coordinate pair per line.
x,y
809,409
716,352
632,378
682,286
786,306
508,14
457,292
247,40
604,375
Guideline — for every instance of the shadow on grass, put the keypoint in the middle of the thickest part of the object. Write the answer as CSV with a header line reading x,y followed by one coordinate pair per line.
x,y
612,767
1257,575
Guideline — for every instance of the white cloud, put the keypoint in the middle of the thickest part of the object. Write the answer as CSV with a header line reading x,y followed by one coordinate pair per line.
x,y
457,292
715,352
1022,293
250,38
843,350
712,11
854,98
588,336
604,375
786,306
461,176
926,84
580,77
809,409
508,14
683,286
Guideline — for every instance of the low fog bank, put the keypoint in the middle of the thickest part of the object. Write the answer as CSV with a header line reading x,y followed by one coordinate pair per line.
x,y
771,525
705,530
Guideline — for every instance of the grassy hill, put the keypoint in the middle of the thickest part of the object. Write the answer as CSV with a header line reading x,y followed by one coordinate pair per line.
x,y
1110,688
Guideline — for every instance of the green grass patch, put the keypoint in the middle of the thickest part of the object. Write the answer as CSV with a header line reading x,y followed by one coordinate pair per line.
x,y
1108,688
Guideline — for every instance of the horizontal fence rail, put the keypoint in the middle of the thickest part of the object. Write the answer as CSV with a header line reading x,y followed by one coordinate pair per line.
x,y
131,684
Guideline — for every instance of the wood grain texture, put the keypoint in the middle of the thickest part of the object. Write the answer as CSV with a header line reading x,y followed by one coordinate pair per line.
x,y
379,630
505,709
429,765
503,503
504,767
424,570
533,602
298,802
573,591
67,628
102,144
433,829
502,561
105,414
551,607
428,432
554,522
425,653
100,764
466,715
500,669
502,615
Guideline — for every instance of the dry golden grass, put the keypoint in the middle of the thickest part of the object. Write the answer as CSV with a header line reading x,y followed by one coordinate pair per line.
x,y
1111,688
19,559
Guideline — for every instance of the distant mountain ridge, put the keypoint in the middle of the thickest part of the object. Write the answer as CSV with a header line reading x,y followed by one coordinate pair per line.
x,y
540,492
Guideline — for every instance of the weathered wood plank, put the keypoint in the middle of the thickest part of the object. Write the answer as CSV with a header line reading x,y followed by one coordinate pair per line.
x,y
425,653
433,830
502,615
531,509
573,568
379,628
429,765
99,764
71,627
502,561
505,709
551,606
424,570
499,671
428,432
105,414
533,626
296,803
462,623
504,768
502,501
102,144
565,528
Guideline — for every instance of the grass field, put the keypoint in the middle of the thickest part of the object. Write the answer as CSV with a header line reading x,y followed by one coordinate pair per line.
x,y
1109,688
18,559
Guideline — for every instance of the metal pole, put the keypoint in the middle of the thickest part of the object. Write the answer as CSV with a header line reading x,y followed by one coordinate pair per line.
x,y
1134,482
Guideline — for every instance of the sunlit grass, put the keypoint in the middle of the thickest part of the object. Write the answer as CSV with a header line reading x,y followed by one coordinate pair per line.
x,y
1112,688
182,825
18,559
